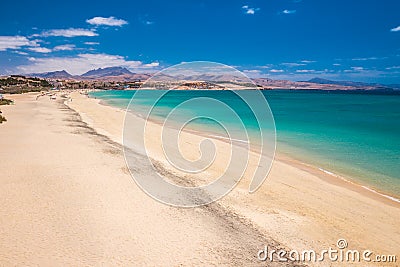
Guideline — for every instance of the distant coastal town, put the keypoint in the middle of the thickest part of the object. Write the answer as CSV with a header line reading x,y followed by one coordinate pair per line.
x,y
119,78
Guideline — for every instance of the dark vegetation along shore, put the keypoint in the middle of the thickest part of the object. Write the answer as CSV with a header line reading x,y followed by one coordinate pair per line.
x,y
4,102
2,118
17,84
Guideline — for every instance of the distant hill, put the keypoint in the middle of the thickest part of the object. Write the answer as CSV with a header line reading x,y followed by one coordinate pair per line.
x,y
103,72
113,74
359,85
62,74
121,74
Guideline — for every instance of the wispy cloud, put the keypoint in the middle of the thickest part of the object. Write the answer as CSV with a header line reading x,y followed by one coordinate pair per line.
x,y
91,43
293,64
276,71
393,68
308,61
364,58
66,47
250,10
151,65
287,11
253,73
81,63
354,69
305,71
395,29
39,49
266,66
71,32
110,21
21,53
14,42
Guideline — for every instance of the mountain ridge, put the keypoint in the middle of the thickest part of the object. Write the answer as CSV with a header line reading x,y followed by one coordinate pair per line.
x,y
51,74
344,83
124,75
101,74
108,71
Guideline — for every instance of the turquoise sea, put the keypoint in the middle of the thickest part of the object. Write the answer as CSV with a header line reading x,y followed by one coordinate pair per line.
x,y
354,135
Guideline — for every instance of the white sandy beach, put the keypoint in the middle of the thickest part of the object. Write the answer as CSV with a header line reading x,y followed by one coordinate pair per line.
x,y
68,199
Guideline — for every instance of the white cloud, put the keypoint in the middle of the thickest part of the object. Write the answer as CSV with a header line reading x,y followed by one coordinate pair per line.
x,y
267,66
91,43
14,42
354,70
395,29
71,32
39,49
276,71
66,47
110,21
305,71
250,10
286,11
21,53
336,64
293,64
81,63
252,71
357,68
151,65
364,58
393,68
308,61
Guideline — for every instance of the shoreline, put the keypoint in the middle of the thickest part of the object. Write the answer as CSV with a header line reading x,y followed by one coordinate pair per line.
x,y
337,179
298,205
326,175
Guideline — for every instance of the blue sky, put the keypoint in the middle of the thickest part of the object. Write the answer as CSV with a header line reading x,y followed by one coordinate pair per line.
x,y
281,39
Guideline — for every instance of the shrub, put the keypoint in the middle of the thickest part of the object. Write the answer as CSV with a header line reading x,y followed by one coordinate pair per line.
x,y
5,102
2,119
